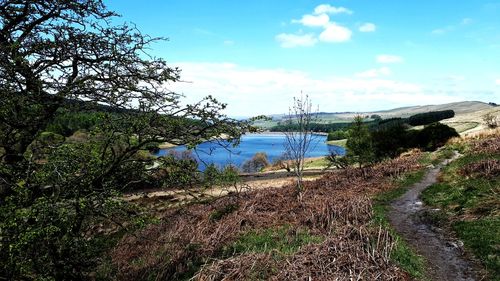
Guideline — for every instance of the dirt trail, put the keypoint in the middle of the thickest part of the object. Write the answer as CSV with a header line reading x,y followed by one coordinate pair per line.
x,y
249,182
444,256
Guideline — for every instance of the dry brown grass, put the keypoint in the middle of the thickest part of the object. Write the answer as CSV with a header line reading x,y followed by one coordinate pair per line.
x,y
486,168
337,207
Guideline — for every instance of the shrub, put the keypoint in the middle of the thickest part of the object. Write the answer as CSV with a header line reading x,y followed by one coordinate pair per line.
x,y
337,135
256,164
491,120
390,141
359,144
434,136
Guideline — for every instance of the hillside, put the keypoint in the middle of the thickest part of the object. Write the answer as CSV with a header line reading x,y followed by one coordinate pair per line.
x,y
463,107
468,114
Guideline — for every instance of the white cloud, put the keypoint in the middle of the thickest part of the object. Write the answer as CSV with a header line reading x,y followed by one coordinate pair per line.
x,y
497,82
466,21
251,91
293,40
335,33
312,21
367,27
229,42
373,73
328,9
441,31
389,59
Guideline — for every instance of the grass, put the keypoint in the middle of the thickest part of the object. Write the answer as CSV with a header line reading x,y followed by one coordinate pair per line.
x,y
461,127
284,240
470,206
341,143
483,237
402,253
316,163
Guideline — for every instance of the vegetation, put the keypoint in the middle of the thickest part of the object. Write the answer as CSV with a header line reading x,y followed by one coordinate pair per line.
x,y
258,163
60,63
298,141
468,198
434,136
315,127
359,144
491,120
282,240
337,135
430,117
269,234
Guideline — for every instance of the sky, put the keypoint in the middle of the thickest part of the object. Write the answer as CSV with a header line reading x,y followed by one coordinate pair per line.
x,y
346,55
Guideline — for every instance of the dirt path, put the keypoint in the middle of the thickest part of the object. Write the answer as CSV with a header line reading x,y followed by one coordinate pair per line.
x,y
444,256
248,182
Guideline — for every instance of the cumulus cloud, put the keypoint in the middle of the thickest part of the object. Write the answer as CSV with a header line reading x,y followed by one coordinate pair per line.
x,y
328,9
254,91
373,73
389,59
367,27
313,20
296,40
335,33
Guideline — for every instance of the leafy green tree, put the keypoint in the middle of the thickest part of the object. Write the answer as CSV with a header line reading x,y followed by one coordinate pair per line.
x,y
434,135
72,56
390,141
359,144
337,135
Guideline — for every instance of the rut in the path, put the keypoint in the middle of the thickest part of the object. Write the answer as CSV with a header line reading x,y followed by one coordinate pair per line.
x,y
445,258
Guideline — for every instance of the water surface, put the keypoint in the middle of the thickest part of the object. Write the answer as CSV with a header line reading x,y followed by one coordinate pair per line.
x,y
271,144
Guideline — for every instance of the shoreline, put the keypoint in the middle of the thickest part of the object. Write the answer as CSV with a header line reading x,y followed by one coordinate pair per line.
x,y
167,145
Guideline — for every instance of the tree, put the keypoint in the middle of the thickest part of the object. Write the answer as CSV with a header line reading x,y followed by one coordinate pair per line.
x,y
390,140
434,135
258,162
298,141
69,56
359,144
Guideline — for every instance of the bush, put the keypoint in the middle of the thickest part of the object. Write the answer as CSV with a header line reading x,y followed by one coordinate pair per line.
x,y
256,164
434,136
178,169
337,135
430,117
391,141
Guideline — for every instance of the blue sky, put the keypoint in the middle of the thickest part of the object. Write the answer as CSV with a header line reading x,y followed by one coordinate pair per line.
x,y
348,55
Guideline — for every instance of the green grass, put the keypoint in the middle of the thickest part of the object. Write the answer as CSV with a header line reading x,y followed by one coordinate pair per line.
x,y
483,237
317,163
283,240
402,253
470,205
341,143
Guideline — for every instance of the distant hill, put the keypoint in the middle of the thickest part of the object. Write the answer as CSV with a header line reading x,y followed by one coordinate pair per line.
x,y
459,108
464,109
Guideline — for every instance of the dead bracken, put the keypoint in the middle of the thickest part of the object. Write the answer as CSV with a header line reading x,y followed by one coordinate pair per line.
x,y
189,242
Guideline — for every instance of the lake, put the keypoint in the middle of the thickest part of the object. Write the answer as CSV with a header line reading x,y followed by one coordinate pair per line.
x,y
272,144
